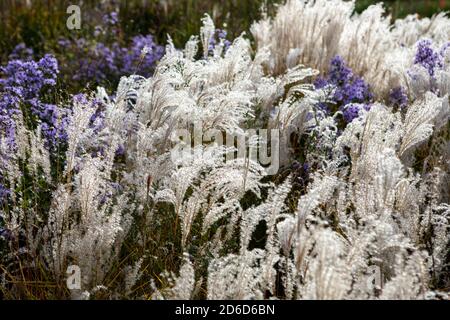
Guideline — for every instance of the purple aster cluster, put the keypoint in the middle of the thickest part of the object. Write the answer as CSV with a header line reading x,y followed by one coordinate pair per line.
x,y
111,18
352,110
105,58
135,60
215,40
23,84
96,62
99,62
350,89
398,97
431,59
21,52
427,57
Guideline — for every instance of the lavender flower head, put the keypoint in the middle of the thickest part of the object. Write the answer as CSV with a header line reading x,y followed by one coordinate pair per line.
x,y
427,62
339,73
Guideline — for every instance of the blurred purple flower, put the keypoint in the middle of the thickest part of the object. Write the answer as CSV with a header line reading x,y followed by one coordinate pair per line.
x,y
219,35
21,52
398,97
103,62
134,62
111,18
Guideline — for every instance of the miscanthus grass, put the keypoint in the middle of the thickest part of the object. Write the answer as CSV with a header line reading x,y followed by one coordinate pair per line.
x,y
358,209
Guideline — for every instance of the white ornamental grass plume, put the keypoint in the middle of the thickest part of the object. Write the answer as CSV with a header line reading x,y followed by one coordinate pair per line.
x,y
363,45
78,132
311,32
411,29
181,287
236,276
423,116
411,283
29,154
327,276
85,225
381,187
217,92
302,32
93,242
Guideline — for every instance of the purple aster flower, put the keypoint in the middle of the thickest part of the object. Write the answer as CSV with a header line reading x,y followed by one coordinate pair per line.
x,y
134,62
349,88
22,84
110,62
398,97
111,18
49,68
220,34
320,83
427,57
21,52
80,98
339,73
351,111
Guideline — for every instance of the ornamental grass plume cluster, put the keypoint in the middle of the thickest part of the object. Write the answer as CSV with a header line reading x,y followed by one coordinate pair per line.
x,y
312,32
359,208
